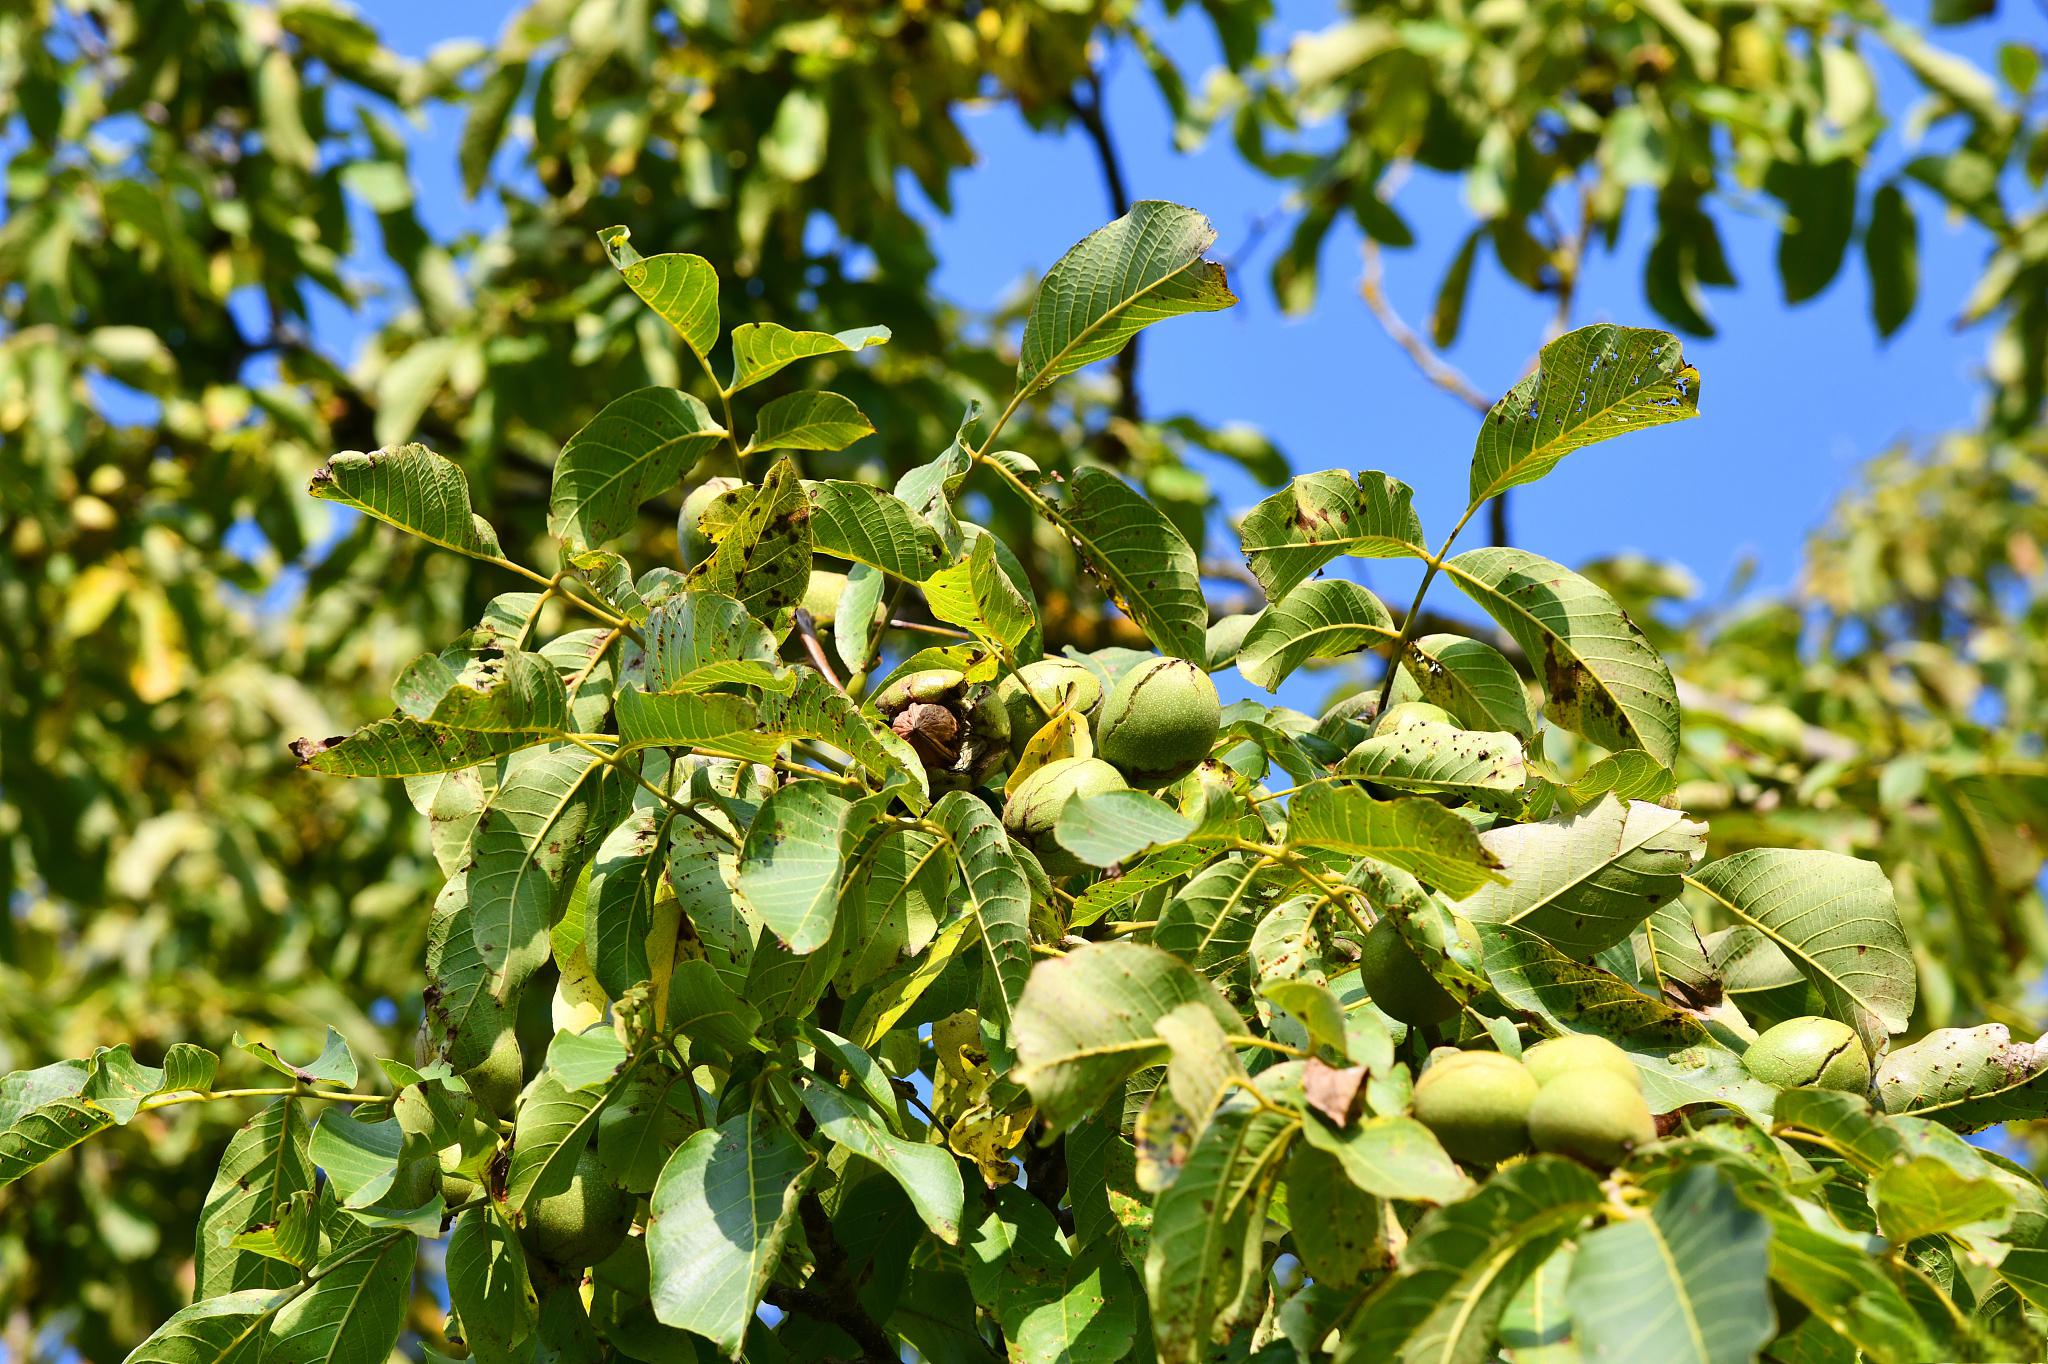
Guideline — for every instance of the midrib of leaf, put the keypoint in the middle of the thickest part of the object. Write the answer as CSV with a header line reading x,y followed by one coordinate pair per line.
x,y
1580,878
1491,1270
1114,311
1692,1322
1570,643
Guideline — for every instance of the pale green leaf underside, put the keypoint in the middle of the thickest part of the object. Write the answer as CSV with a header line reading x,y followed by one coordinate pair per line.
x,y
681,289
1326,618
1417,835
412,488
1590,385
1473,681
1485,767
636,447
1143,268
1600,677
1835,918
1148,565
809,421
759,349
1321,516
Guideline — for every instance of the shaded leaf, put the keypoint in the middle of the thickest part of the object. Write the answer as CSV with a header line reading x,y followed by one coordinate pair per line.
x,y
1321,516
809,421
412,488
1326,618
1416,835
637,446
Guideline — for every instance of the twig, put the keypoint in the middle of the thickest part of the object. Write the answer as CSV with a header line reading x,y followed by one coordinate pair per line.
x,y
921,626
808,628
1434,367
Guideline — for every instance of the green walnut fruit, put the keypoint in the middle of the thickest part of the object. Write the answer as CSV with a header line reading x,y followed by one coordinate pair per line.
x,y
1575,1052
1593,1115
821,595
582,1224
696,545
497,1079
1396,980
958,729
1033,809
1412,713
1159,721
1477,1103
1057,684
1818,1052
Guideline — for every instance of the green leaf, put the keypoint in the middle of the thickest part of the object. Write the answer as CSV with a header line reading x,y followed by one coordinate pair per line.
x,y
353,1309
763,558
1200,1066
809,421
1483,768
1203,1263
1143,268
1417,835
46,1132
1926,1196
1318,517
713,722
1590,385
226,1329
1833,916
792,862
1820,217
266,1162
760,349
23,1091
928,1174
697,640
464,1015
976,595
893,902
1891,254
1148,566
531,843
412,488
682,290
493,690
488,1285
1085,1023
360,1158
1464,1262
721,1212
624,882
554,1126
1312,1004
1688,1283
993,896
872,527
1601,678
635,447
1119,826
1447,315
1211,922
1586,881
1338,1232
1391,1157
1844,1285
116,1083
590,1059
400,746
1326,618
1473,681
1966,1078
336,1063
703,1008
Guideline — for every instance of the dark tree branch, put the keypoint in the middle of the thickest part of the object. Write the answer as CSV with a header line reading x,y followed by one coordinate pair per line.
x,y
833,1294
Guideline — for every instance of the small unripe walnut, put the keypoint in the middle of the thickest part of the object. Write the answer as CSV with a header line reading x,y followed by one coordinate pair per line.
x,y
1033,809
1818,1052
1396,980
1559,1056
581,1225
1477,1104
1159,721
1057,684
1593,1115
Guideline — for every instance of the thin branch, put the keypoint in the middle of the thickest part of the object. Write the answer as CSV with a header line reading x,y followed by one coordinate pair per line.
x,y
808,629
1434,367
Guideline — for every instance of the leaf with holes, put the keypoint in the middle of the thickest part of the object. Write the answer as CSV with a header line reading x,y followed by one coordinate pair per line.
x,y
1322,516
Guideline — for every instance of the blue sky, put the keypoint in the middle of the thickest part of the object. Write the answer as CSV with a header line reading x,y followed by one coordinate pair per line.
x,y
1793,398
